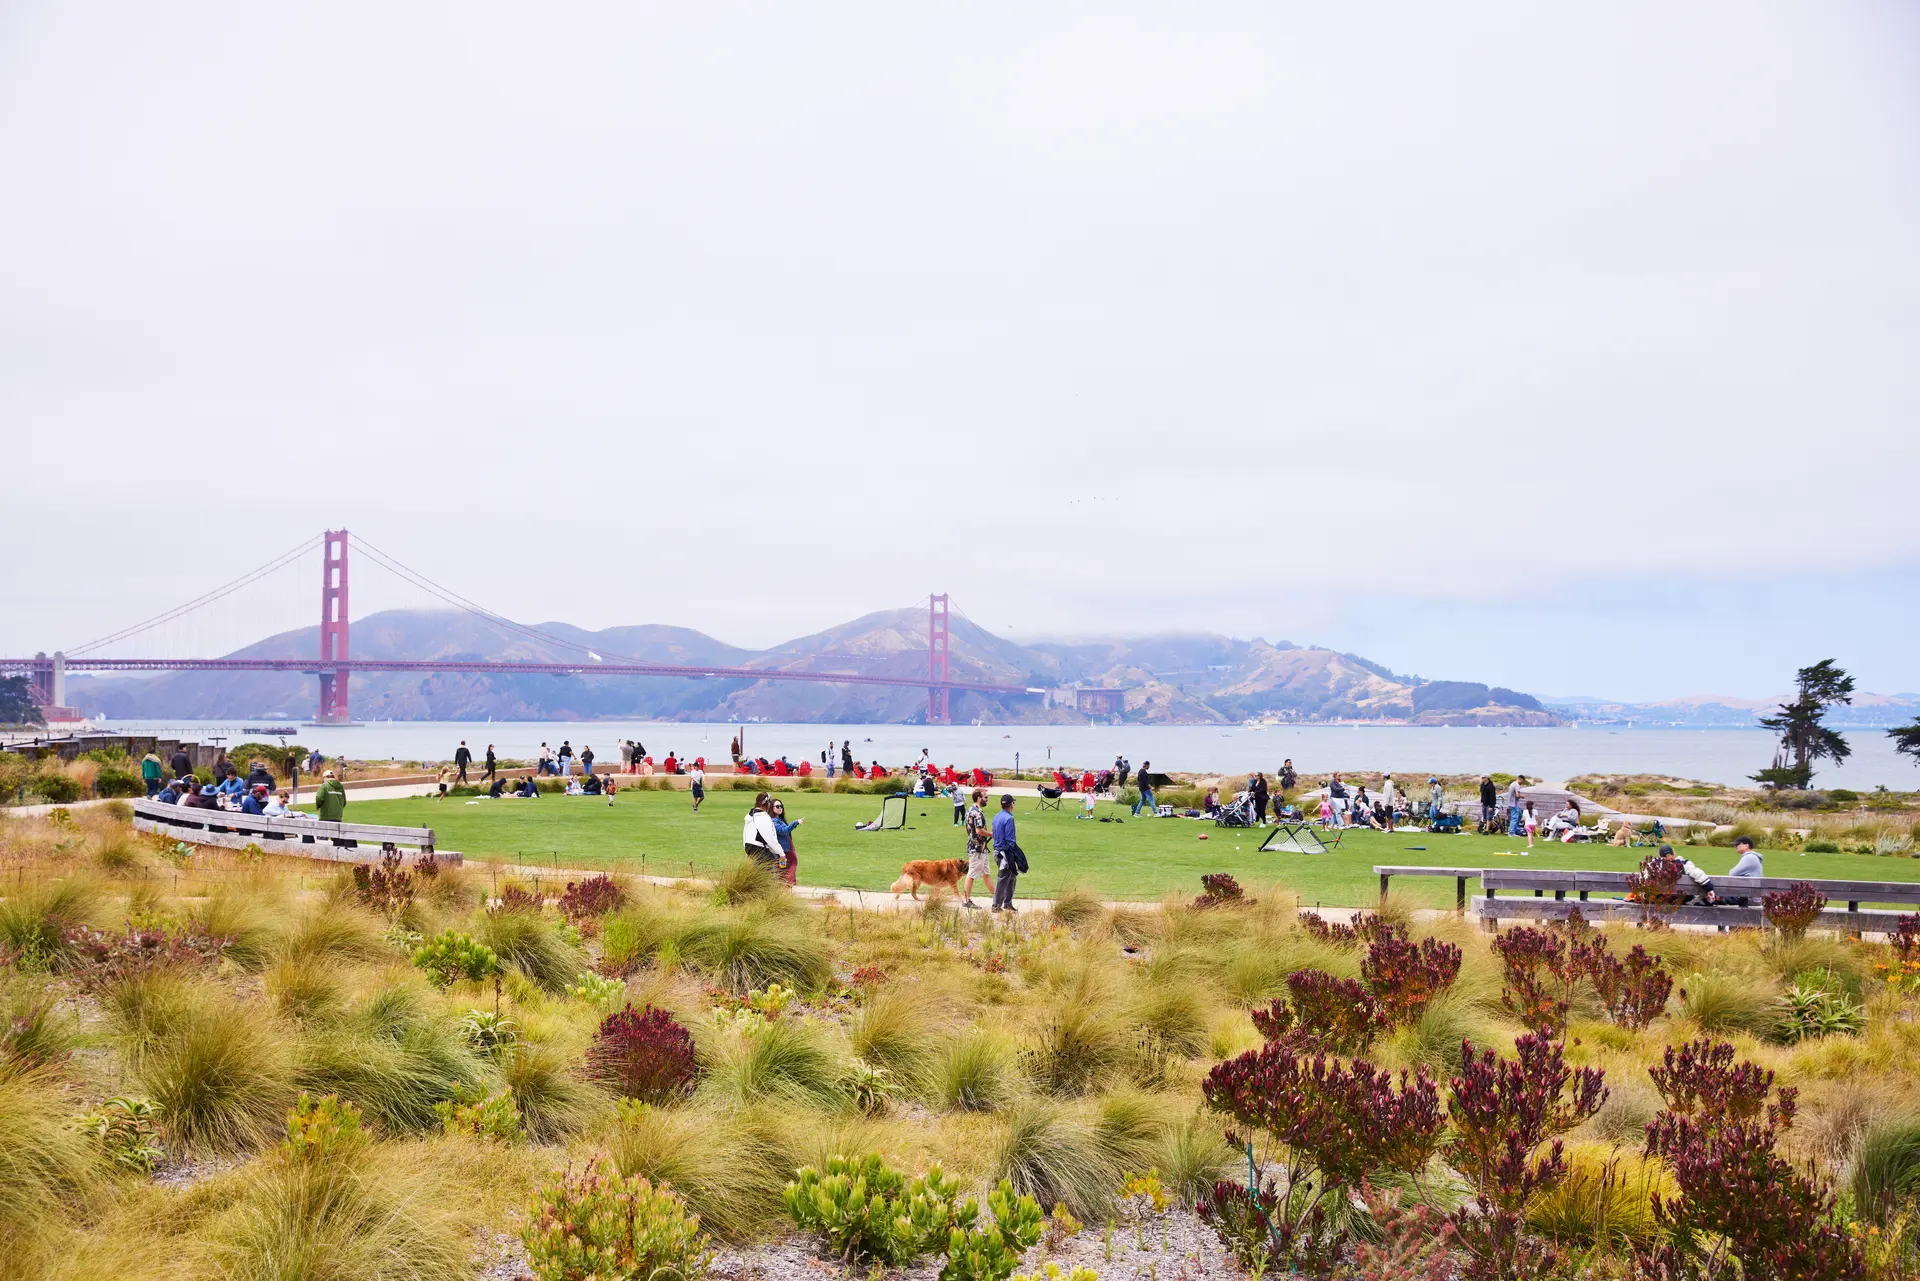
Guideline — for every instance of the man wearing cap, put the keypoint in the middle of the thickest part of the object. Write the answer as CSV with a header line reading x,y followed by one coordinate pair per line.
x,y
330,802
1748,864
255,801
1007,856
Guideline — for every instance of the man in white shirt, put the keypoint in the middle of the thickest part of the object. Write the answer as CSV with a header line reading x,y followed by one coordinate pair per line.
x,y
699,777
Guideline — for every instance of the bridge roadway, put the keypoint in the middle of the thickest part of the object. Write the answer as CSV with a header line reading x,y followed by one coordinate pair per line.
x,y
309,667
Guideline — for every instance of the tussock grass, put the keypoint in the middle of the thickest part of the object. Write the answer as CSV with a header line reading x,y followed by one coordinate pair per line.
x,y
341,1220
729,1168
1606,1200
306,988
635,933
46,1166
1081,1046
554,1099
532,945
1177,1015
221,1072
338,932
1196,1156
975,1073
1056,1157
1886,1166
784,1060
1133,926
893,1031
752,950
246,921
1131,1130
1828,962
34,1031
394,1077
1433,1040
1716,1001
747,882
35,917
1077,908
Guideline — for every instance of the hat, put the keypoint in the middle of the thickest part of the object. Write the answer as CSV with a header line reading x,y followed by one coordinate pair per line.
x,y
328,774
1006,800
260,787
208,790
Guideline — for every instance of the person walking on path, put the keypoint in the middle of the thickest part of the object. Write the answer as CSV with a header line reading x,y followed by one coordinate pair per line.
x,y
1007,856
1513,805
699,777
461,759
760,838
1489,801
789,862
1146,790
959,799
493,763
1388,798
150,773
330,802
564,757
315,761
979,848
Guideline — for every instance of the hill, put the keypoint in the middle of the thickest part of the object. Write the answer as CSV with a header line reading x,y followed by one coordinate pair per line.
x,y
1193,678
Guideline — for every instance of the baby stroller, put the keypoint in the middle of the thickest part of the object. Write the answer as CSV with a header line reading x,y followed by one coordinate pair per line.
x,y
1235,813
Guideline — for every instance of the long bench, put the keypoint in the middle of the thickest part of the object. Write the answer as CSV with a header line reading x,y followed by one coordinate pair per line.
x,y
1460,875
1571,890
293,837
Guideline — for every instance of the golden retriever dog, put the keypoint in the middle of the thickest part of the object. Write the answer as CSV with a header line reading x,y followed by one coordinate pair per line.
x,y
930,872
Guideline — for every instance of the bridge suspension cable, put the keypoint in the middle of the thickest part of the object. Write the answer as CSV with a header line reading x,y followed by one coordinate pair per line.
x,y
251,576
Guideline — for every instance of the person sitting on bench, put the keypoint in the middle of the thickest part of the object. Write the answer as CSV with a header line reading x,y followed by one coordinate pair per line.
x,y
255,801
1747,866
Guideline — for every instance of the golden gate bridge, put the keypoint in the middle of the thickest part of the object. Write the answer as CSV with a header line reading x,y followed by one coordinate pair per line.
x,y
334,666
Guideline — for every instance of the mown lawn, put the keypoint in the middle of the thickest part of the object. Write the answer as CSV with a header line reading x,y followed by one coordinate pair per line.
x,y
657,832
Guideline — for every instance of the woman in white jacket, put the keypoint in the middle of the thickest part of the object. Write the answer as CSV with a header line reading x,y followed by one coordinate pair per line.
x,y
759,837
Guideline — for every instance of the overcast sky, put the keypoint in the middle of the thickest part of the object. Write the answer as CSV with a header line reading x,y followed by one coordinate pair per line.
x,y
1572,347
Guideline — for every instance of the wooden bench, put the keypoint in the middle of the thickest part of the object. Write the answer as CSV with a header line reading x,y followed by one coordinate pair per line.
x,y
1460,875
1613,886
293,837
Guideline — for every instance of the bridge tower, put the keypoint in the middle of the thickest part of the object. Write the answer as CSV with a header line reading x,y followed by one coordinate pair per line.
x,y
938,711
333,631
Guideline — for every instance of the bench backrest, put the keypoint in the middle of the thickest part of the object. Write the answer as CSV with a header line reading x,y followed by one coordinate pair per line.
x,y
1500,878
1426,871
229,821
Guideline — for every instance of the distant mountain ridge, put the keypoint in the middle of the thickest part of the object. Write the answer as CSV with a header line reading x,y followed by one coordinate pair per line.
x,y
1196,678
1867,711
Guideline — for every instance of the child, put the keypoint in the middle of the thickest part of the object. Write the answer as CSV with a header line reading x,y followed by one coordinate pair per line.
x,y
1326,811
1531,821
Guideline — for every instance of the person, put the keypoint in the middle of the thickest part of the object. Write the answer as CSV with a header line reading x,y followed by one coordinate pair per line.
x,y
760,838
1389,797
493,764
448,774
180,763
1436,801
846,756
1513,806
1362,808
699,777
544,766
529,790
1326,809
1008,856
150,773
1086,806
734,747
564,757
1146,791
789,861
314,761
1530,822
1341,804
172,792
1288,778
230,789
1260,795
1211,805
979,849
1562,826
499,786
626,756
259,776
202,798
462,757
255,801
959,799
646,767
281,806
223,769
586,759
1488,802
330,802
1748,865
1124,768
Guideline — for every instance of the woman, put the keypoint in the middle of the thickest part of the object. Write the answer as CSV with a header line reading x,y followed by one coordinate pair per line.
x,y
760,838
979,848
493,763
1260,794
790,864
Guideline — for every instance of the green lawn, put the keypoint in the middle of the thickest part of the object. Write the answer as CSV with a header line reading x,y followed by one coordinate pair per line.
x,y
1140,859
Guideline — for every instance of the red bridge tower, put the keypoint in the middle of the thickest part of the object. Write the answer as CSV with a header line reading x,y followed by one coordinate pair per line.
x,y
938,712
333,631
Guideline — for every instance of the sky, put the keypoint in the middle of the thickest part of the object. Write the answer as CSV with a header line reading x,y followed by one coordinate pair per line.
x,y
1566,347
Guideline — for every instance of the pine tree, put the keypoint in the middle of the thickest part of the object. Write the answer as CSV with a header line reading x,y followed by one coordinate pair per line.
x,y
1907,739
1805,739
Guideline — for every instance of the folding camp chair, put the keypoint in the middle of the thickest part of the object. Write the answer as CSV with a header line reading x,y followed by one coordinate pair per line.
x,y
1298,838
1050,798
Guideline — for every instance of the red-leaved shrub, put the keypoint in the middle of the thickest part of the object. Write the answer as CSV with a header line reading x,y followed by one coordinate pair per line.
x,y
591,898
1635,990
642,1054
99,960
1321,1015
1406,977
1793,909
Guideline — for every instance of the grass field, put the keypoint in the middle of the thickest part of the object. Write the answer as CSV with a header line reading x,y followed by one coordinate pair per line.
x,y
1137,859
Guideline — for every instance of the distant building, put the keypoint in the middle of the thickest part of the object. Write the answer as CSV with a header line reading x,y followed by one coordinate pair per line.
x,y
1099,701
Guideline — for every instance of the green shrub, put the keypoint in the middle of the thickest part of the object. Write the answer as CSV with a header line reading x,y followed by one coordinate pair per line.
x,y
992,1250
111,781
453,957
869,1213
58,788
597,1226
34,920
128,1132
533,946
322,1129
1815,1011
492,1117
1822,847
746,882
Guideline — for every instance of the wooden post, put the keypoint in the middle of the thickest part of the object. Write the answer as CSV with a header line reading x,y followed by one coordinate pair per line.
x,y
1384,878
1459,894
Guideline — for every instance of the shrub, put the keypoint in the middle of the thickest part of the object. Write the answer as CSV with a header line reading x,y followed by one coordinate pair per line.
x,y
1814,1011
452,957
1503,1112
1656,887
1737,1196
597,1226
1367,927
1822,847
1634,991
128,1132
322,1129
518,898
111,781
591,899
1219,889
867,1212
642,1054
598,991
1405,977
992,1250
488,1032
1792,910
1334,1125
387,887
1323,1015
100,960
492,1117
1542,968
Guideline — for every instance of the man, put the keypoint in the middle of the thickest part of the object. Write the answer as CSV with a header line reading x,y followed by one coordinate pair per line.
x,y
255,801
461,759
979,849
1388,799
1436,801
314,761
1489,801
699,777
331,800
626,756
259,776
172,792
180,763
1287,777
545,764
150,773
564,757
1337,793
1007,857
1125,767
1513,805
1145,782
1747,865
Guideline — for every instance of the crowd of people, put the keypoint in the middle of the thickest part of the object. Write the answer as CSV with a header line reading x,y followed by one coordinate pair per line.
x,y
257,792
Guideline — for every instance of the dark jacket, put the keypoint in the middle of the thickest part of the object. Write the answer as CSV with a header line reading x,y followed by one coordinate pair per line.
x,y
462,756
181,763
1488,796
